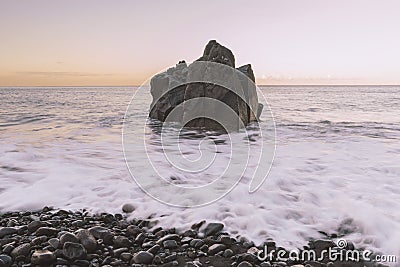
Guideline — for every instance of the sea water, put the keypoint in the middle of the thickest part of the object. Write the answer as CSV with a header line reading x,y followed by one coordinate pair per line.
x,y
336,167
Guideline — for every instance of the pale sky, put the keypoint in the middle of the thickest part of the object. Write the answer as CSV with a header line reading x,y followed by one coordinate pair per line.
x,y
121,42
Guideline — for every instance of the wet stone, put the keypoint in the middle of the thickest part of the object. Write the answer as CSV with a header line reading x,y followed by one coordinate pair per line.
x,y
170,244
47,231
54,242
128,208
21,250
87,239
121,241
68,237
5,231
168,237
126,256
74,251
214,249
143,257
213,229
7,260
43,258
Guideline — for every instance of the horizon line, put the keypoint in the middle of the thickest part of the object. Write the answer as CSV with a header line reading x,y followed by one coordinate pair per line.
x,y
262,85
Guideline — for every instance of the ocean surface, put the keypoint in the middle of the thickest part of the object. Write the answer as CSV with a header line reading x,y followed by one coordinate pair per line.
x,y
336,167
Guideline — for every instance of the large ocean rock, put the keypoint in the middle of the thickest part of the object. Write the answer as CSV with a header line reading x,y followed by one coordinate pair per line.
x,y
164,102
186,90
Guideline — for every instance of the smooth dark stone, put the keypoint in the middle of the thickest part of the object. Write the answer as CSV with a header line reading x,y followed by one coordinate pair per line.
x,y
33,226
5,231
213,229
54,242
74,251
100,232
121,242
170,244
168,237
126,256
47,231
21,250
143,257
214,249
7,260
87,239
128,208
43,258
68,237
154,249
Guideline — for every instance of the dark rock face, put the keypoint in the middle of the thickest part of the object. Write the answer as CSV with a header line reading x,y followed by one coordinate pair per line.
x,y
185,83
213,229
164,103
217,53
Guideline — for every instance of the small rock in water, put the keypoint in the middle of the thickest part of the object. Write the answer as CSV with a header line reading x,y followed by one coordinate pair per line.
x,y
143,257
322,244
108,218
133,230
213,229
74,251
128,208
43,258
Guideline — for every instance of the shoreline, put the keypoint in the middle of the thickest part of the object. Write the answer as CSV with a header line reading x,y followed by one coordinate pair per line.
x,y
54,237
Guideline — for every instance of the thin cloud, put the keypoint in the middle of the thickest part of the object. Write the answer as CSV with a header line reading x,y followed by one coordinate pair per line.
x,y
62,73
